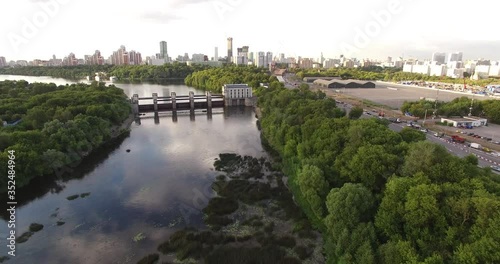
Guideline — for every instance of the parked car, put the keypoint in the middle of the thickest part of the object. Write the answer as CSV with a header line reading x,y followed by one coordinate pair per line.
x,y
495,168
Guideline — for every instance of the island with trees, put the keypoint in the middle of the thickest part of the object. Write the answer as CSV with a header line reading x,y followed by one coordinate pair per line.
x,y
213,79
380,196
50,127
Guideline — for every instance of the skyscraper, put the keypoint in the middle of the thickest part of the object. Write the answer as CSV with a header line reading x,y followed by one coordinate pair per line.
x,y
439,57
455,56
3,62
163,50
216,55
229,50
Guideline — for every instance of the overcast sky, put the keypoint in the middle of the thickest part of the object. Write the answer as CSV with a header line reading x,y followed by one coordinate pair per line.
x,y
297,28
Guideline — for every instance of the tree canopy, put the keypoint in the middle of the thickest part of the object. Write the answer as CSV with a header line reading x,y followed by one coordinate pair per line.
x,y
377,195
57,125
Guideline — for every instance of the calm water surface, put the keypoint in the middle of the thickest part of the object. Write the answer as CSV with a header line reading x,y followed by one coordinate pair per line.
x,y
157,188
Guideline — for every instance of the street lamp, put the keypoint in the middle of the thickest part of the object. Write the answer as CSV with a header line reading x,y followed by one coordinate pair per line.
x,y
471,103
425,117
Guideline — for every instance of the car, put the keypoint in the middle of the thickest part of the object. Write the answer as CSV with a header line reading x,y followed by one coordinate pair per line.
x,y
495,168
425,130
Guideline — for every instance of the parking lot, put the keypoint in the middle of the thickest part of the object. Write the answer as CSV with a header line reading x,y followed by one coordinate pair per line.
x,y
394,95
491,131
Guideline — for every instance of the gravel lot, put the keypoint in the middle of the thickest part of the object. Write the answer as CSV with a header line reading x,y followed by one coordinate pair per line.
x,y
398,94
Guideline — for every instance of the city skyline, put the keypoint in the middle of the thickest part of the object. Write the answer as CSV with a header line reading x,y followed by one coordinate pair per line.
x,y
37,29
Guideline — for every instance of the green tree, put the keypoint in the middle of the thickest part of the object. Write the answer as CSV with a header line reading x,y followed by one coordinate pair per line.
x,y
313,187
355,112
411,135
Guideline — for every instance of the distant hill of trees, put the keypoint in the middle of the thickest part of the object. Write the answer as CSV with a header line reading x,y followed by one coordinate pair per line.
x,y
175,70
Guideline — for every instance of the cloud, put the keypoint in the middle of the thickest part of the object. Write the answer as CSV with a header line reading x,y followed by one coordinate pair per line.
x,y
181,3
160,17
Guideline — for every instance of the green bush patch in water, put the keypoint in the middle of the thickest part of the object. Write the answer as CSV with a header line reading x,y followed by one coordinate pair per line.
x,y
34,227
72,197
149,259
221,206
139,237
303,252
24,237
83,195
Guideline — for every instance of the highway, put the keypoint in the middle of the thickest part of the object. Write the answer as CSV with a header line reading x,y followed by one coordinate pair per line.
x,y
458,149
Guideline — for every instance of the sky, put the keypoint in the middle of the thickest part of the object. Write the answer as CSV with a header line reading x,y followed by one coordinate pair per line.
x,y
376,29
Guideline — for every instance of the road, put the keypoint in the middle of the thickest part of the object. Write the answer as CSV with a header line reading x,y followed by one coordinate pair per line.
x,y
458,149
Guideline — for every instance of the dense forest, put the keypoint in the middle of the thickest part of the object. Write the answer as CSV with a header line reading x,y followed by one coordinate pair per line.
x,y
55,125
489,109
377,195
214,78
385,74
68,72
175,70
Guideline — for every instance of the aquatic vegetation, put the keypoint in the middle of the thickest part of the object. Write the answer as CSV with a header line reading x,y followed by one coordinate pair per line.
x,y
35,227
149,259
24,237
303,252
72,197
83,195
221,206
249,210
139,237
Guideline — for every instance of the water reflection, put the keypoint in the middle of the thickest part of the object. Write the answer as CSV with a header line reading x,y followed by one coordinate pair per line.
x,y
158,187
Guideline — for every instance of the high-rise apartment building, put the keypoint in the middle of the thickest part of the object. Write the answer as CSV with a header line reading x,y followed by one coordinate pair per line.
x,y
269,59
439,57
455,56
163,50
242,58
3,62
229,50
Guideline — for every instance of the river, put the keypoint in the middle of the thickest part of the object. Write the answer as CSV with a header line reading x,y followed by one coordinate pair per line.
x,y
157,188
